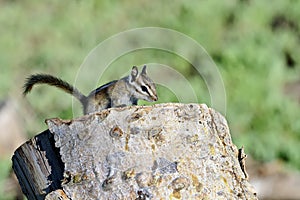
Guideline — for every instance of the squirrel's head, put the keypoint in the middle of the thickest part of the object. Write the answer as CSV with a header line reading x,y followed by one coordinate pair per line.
x,y
144,88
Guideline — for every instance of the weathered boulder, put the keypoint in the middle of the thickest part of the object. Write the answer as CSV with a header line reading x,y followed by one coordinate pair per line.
x,y
165,151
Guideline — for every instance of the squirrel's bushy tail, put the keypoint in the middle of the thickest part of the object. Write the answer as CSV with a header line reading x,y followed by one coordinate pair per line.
x,y
54,81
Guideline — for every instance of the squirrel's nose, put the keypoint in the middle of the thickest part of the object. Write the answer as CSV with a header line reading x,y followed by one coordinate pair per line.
x,y
154,98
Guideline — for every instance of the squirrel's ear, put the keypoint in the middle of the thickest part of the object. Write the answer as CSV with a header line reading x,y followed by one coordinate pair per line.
x,y
144,70
134,73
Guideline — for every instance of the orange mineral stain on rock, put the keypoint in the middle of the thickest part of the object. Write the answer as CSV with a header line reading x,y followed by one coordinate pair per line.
x,y
126,142
198,186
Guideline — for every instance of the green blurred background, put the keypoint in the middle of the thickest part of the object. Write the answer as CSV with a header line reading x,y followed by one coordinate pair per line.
x,y
254,43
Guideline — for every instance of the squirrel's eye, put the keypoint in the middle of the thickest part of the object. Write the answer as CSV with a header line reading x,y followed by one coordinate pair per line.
x,y
144,89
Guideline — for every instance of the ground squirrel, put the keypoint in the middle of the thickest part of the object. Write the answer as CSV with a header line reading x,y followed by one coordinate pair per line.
x,y
117,93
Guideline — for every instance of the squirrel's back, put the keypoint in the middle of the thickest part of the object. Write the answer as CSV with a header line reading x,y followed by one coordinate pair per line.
x,y
100,98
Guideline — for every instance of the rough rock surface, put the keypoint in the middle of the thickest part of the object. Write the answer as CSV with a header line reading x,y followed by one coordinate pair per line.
x,y
165,151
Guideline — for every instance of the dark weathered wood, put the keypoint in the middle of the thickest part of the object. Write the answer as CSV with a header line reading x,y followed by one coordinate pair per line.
x,y
38,166
166,151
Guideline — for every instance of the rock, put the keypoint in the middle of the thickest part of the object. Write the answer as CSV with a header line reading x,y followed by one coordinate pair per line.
x,y
165,151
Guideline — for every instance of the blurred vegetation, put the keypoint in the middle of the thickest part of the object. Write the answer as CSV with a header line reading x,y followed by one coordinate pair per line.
x,y
254,43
